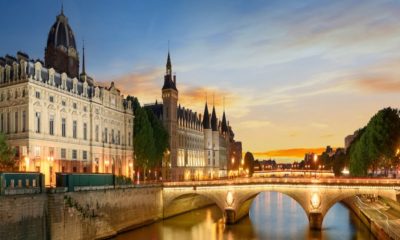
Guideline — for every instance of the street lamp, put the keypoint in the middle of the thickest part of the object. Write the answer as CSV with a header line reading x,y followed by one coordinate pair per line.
x,y
27,164
315,162
50,160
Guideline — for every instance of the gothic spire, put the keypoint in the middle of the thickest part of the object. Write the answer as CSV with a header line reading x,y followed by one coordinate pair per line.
x,y
83,59
169,65
214,123
206,118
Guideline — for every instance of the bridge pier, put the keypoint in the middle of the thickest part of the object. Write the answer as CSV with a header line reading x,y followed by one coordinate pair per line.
x,y
315,219
230,216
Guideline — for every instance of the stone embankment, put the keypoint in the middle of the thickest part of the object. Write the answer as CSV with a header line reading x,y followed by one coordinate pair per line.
x,y
96,214
381,216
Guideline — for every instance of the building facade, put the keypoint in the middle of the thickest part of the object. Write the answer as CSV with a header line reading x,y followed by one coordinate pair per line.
x,y
199,144
60,121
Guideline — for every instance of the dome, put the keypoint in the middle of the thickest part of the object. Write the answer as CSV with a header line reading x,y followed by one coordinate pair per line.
x,y
61,34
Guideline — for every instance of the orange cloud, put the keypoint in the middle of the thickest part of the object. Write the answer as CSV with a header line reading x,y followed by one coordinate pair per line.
x,y
293,152
378,84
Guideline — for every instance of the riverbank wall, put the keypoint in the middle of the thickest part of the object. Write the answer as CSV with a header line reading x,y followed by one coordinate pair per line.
x,y
96,214
376,228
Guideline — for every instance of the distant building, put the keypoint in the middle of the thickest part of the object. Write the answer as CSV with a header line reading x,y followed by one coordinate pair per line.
x,y
349,139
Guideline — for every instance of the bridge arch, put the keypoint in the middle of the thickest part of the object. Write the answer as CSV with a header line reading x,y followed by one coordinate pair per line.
x,y
178,203
333,199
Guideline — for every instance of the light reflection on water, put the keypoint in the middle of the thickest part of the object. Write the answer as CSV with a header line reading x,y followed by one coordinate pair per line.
x,y
272,216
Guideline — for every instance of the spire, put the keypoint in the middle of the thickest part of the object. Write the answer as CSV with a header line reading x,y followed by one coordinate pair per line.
x,y
62,8
214,124
206,118
169,65
83,59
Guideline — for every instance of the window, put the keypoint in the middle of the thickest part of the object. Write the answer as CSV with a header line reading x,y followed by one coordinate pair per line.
x,y
24,121
16,122
119,137
63,153
63,103
51,151
105,135
97,133
63,127
85,109
84,155
74,128
74,105
37,151
85,131
74,154
51,125
129,138
37,122
37,94
51,99
112,136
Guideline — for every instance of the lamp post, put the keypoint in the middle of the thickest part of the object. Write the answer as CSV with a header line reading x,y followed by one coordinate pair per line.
x,y
315,163
50,160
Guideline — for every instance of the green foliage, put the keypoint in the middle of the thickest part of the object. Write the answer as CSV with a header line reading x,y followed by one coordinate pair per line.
x,y
377,143
150,137
143,140
122,180
249,162
160,138
339,161
7,159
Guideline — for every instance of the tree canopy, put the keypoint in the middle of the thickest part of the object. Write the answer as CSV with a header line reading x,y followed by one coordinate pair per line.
x,y
376,145
7,159
249,163
150,137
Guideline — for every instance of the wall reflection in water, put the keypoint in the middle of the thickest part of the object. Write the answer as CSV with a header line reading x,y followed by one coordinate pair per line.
x,y
272,216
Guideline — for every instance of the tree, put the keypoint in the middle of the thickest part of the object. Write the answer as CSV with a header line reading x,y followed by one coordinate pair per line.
x,y
249,163
7,155
160,138
339,161
376,145
143,140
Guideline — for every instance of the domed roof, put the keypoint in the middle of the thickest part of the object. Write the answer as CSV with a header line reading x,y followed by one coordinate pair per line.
x,y
61,33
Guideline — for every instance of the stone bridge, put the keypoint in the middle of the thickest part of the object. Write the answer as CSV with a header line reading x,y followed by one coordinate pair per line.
x,y
315,196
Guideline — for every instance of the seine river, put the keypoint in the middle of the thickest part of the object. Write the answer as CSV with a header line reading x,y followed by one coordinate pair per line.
x,y
272,216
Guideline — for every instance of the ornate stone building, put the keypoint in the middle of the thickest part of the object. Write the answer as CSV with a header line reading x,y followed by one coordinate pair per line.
x,y
60,121
199,145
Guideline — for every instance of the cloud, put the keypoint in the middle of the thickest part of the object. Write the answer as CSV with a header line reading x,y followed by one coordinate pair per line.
x,y
293,152
146,85
319,125
254,124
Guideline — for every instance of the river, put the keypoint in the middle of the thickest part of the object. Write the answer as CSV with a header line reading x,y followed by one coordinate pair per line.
x,y
272,216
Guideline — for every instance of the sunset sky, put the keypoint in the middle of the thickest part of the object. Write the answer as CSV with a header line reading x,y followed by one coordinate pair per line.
x,y
295,74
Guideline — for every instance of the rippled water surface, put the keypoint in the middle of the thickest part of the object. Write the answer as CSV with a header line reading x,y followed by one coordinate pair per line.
x,y
272,216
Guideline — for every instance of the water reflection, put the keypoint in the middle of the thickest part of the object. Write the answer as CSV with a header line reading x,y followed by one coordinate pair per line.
x,y
272,216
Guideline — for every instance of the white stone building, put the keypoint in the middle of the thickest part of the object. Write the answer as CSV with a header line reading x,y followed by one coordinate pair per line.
x,y
60,123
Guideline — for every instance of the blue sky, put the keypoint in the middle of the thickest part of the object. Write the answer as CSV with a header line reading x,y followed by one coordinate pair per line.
x,y
295,74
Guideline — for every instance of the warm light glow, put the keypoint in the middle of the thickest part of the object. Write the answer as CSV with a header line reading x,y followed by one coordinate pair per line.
x,y
397,151
106,162
233,160
229,198
315,157
130,165
27,161
315,200
345,171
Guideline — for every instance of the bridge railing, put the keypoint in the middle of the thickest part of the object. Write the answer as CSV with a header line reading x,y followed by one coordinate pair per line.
x,y
320,181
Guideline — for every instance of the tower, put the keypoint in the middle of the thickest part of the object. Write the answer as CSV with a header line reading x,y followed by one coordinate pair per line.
x,y
61,53
170,106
